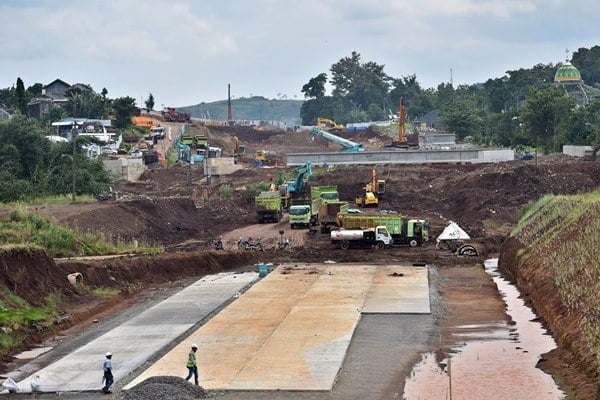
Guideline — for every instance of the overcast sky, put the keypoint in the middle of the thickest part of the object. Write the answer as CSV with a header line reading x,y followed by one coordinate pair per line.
x,y
185,52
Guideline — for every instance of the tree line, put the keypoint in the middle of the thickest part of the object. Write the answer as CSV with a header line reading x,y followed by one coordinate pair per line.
x,y
521,108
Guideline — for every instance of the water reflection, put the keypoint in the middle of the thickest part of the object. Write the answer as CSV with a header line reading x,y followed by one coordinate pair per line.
x,y
493,361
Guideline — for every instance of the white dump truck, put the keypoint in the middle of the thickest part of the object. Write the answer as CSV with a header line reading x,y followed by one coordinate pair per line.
x,y
378,237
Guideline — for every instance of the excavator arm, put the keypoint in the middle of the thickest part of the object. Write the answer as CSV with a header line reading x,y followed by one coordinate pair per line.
x,y
401,141
347,145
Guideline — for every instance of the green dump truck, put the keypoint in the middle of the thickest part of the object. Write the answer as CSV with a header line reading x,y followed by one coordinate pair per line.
x,y
268,207
328,215
404,231
327,194
300,214
320,196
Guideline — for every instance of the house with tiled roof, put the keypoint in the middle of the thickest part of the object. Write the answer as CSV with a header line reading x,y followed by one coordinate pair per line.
x,y
54,94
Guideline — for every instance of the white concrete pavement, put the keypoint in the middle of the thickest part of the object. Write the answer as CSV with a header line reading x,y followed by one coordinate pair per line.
x,y
291,330
139,339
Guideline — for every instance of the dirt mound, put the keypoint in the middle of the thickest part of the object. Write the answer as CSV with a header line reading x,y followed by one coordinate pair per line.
x,y
32,275
164,388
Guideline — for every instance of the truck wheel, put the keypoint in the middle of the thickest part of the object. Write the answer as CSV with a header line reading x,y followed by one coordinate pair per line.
x,y
413,243
380,245
345,245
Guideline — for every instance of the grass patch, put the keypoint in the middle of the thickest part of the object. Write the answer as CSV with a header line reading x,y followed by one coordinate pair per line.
x,y
18,317
105,292
226,192
561,233
51,200
23,227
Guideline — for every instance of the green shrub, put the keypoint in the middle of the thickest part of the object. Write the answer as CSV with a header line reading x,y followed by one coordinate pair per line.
x,y
226,192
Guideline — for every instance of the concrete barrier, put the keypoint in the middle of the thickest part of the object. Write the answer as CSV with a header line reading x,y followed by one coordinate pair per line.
x,y
578,151
220,166
402,157
129,169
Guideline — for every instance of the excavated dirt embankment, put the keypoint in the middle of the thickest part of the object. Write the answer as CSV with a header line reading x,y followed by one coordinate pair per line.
x,y
32,275
528,268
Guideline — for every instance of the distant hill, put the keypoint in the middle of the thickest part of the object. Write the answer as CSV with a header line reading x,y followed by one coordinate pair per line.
x,y
256,108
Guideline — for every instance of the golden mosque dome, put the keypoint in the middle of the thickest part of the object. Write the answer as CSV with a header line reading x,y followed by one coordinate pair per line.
x,y
567,74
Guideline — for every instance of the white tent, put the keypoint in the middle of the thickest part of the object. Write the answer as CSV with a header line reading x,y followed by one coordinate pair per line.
x,y
452,232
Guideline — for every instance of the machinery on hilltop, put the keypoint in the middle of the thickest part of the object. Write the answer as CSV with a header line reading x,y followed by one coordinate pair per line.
x,y
329,125
347,145
172,115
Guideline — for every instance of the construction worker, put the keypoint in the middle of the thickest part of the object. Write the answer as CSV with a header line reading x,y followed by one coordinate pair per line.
x,y
108,376
191,364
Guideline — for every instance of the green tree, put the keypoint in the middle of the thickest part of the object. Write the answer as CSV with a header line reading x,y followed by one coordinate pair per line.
x,y
315,88
544,114
362,84
124,108
461,118
418,102
376,113
84,102
105,103
444,95
587,62
21,99
150,102
53,115
504,129
35,90
8,97
32,166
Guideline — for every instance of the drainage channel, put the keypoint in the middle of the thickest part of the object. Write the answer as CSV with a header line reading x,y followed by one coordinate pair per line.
x,y
491,362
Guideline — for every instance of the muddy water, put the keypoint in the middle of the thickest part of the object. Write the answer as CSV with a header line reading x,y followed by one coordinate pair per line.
x,y
490,362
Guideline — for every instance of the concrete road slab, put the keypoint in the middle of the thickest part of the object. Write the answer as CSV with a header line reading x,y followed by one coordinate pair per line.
x,y
142,337
399,289
290,331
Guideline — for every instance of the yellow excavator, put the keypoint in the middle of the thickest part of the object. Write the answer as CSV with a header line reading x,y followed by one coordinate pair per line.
x,y
372,192
329,125
238,149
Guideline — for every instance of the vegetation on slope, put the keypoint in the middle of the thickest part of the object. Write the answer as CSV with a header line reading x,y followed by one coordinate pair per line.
x,y
560,238
23,227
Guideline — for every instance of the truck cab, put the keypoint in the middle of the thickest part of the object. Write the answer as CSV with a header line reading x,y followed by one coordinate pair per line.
x,y
300,216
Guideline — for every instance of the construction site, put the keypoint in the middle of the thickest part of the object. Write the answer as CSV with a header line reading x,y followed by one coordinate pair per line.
x,y
318,263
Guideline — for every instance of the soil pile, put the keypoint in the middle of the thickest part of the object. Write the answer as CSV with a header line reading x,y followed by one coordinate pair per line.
x,y
164,388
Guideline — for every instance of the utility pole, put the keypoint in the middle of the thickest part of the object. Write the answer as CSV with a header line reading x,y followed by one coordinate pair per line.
x,y
229,111
74,160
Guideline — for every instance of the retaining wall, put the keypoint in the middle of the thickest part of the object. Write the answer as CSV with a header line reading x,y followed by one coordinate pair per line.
x,y
402,157
129,169
578,151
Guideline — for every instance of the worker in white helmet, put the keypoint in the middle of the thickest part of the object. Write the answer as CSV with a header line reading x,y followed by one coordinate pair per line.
x,y
191,364
108,376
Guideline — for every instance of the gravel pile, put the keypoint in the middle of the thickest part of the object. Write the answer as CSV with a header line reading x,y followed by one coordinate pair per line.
x,y
164,388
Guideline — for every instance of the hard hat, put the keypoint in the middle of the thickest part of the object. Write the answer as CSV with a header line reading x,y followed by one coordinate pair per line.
x,y
194,346
108,354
